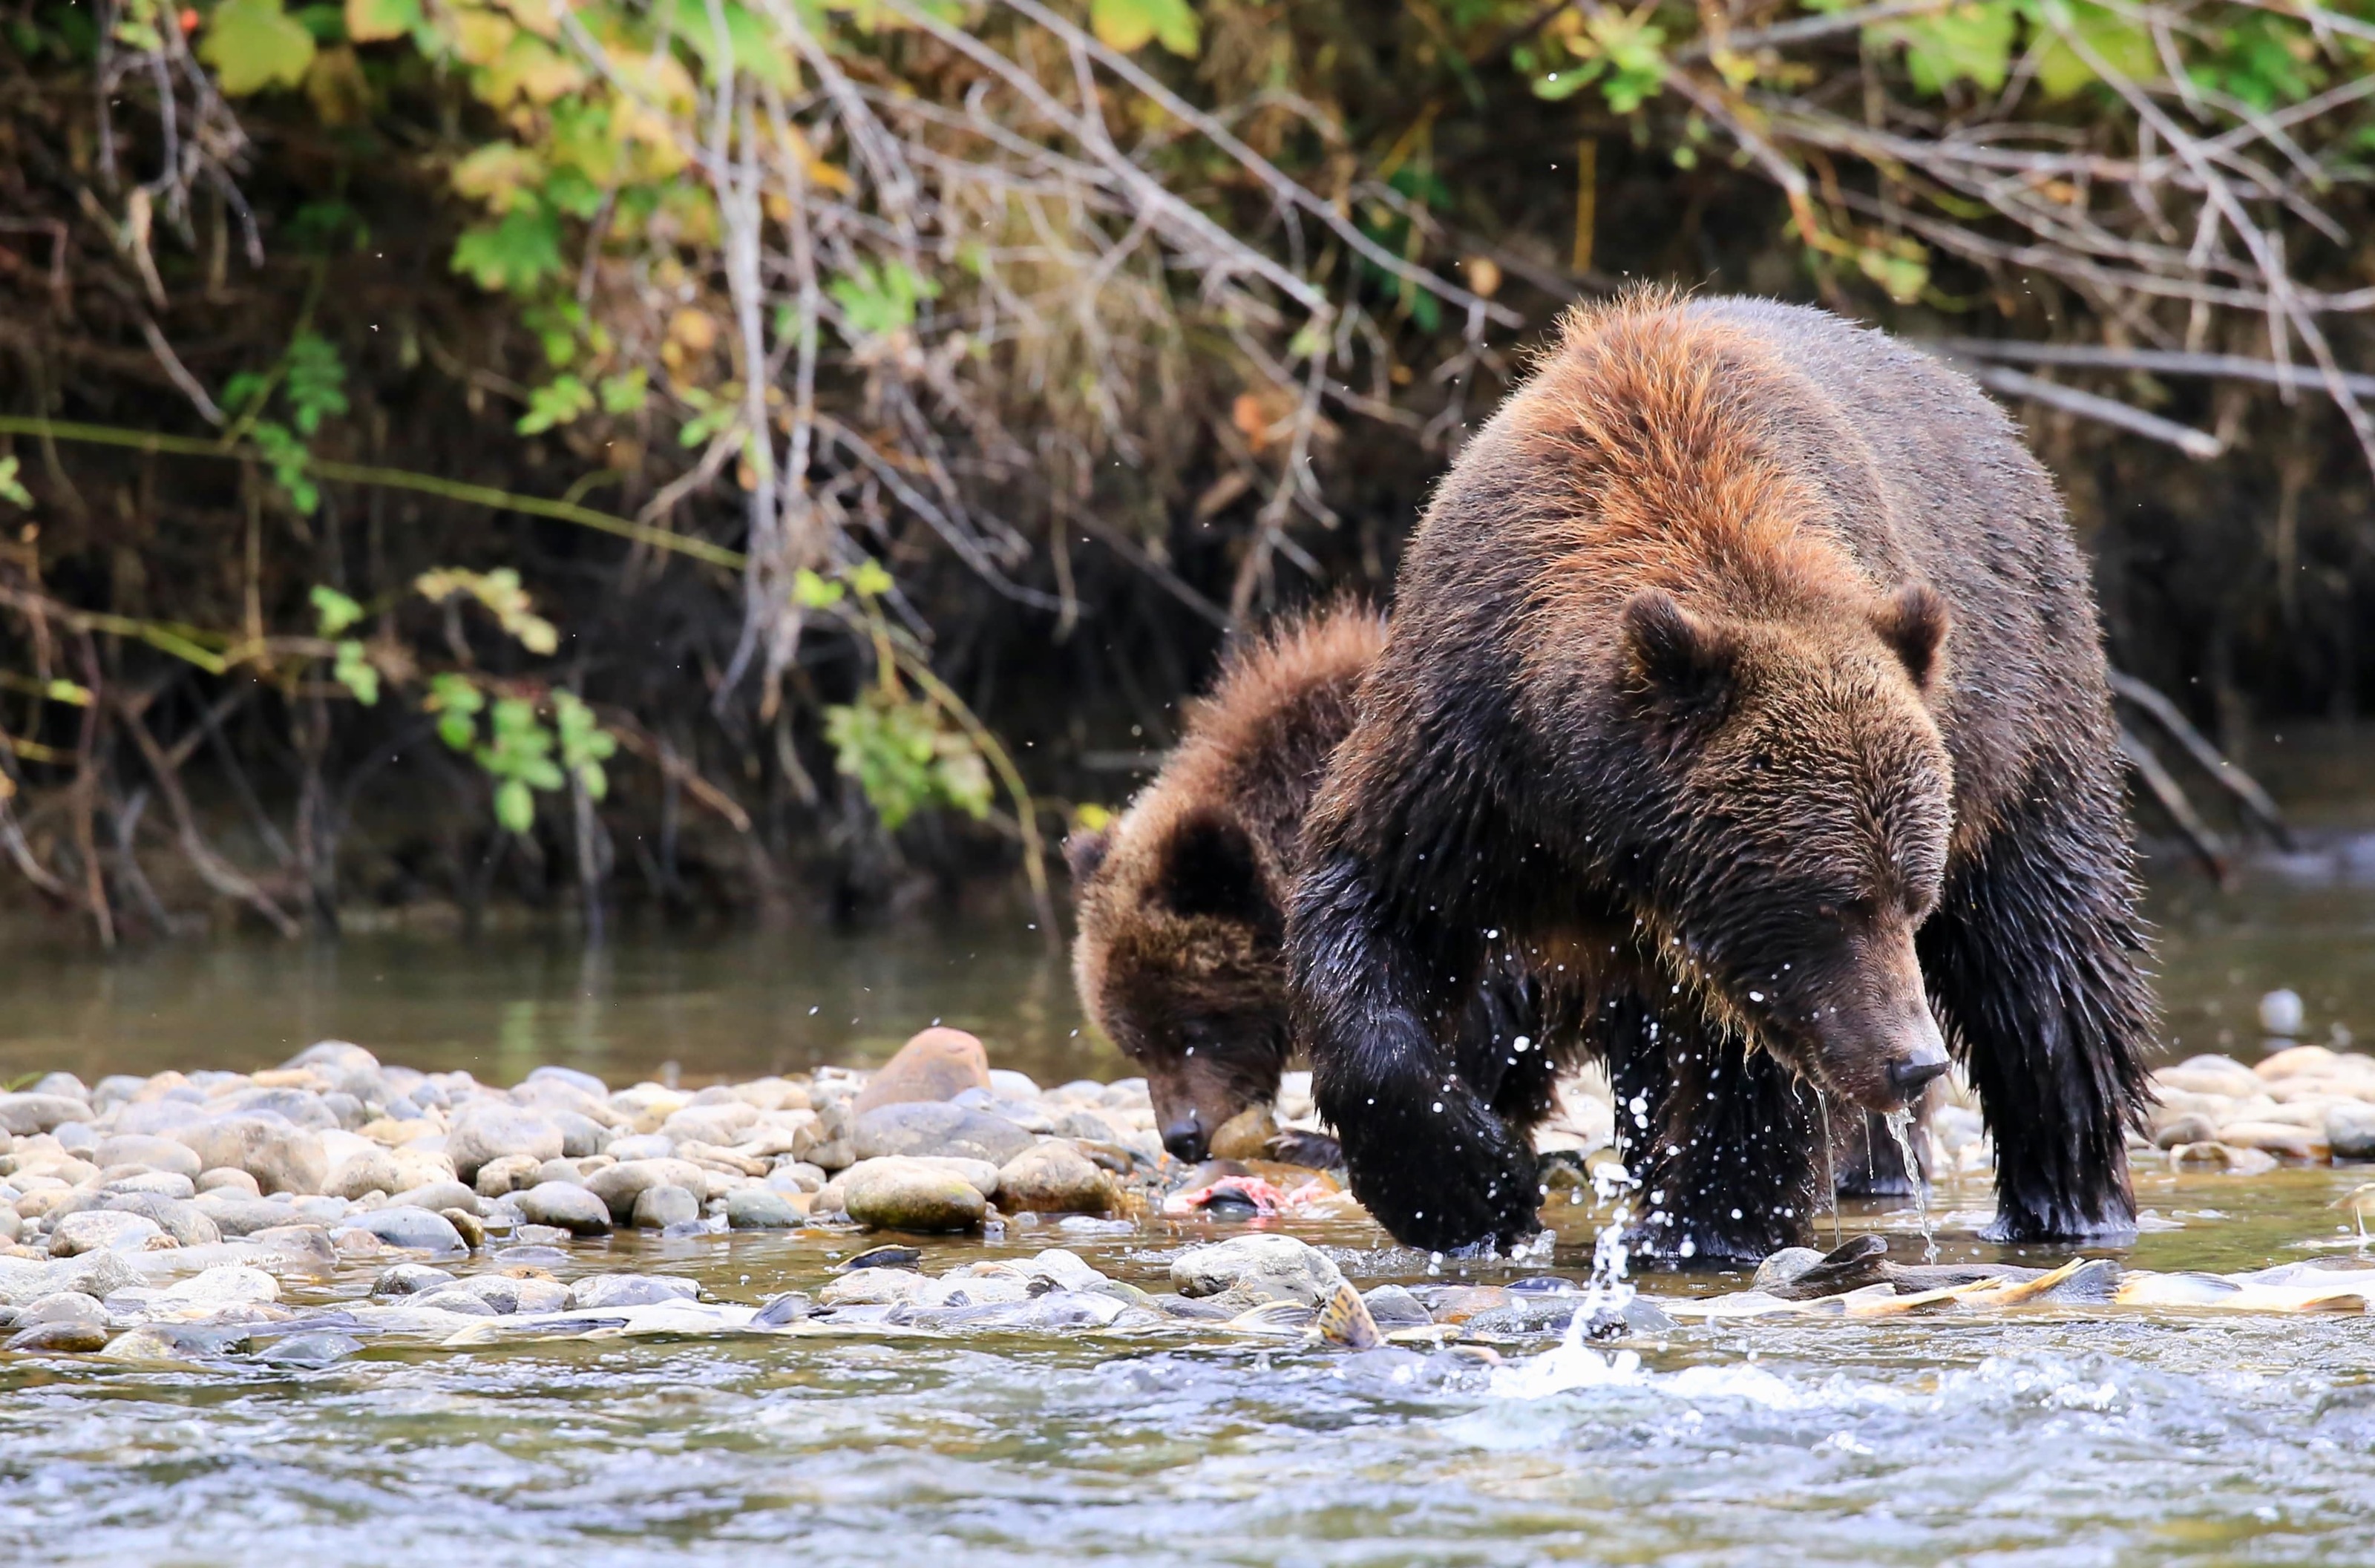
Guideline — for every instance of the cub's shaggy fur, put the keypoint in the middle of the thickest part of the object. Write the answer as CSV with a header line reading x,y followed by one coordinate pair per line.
x,y
1180,956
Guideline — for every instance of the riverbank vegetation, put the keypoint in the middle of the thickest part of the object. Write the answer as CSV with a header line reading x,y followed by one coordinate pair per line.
x,y
795,456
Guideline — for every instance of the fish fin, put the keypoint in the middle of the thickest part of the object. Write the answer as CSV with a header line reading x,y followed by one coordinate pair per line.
x,y
1345,1320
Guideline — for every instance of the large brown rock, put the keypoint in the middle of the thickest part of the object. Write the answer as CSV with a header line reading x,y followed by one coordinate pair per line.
x,y
938,1064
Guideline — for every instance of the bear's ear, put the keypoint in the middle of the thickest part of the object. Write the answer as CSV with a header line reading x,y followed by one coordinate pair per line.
x,y
1086,851
1687,662
1913,622
1210,866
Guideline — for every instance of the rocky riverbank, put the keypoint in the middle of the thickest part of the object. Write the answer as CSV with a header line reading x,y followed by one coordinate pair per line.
x,y
177,1204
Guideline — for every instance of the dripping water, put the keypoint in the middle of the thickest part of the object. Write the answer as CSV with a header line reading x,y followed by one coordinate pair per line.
x,y
1900,1127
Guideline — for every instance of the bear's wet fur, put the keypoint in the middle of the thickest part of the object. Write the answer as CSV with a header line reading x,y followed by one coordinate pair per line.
x,y
1182,899
1745,685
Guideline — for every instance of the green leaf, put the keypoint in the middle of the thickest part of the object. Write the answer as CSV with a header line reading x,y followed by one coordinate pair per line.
x,y
755,47
557,404
808,590
517,253
373,21
354,671
626,393
12,489
1972,41
253,44
290,464
876,302
1127,25
243,389
870,580
316,382
514,807
337,611
456,731
2116,41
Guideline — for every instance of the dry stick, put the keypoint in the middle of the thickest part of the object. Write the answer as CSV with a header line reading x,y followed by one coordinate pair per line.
x,y
215,871
386,479
85,787
2255,801
632,736
2283,309
2198,444
12,837
2198,833
2155,362
1808,29
1287,191
1143,186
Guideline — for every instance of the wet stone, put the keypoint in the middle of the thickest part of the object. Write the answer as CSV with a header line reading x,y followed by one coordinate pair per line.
x,y
1053,1177
1394,1307
905,1196
929,1128
281,1157
183,1221
312,1349
415,1230
513,1172
72,1337
630,1290
2350,1130
1257,1268
491,1129
658,1207
145,1149
762,1208
97,1230
24,1114
566,1205
408,1280
936,1065
62,1306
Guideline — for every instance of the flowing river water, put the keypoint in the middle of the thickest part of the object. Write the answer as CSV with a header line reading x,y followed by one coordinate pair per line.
x,y
2046,1439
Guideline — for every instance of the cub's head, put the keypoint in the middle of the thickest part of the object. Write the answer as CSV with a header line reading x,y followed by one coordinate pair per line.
x,y
1178,960
1793,833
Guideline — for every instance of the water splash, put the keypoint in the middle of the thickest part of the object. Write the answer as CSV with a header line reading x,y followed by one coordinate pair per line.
x,y
1573,1364
1900,1127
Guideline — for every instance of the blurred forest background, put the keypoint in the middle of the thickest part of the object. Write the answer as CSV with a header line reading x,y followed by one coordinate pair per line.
x,y
791,457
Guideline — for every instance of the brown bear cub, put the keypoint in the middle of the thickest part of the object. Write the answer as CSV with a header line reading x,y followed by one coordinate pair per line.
x,y
1180,957
1744,683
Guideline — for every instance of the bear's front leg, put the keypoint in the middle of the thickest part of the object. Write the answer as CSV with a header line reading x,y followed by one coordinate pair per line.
x,y
1723,1142
1426,1154
2032,960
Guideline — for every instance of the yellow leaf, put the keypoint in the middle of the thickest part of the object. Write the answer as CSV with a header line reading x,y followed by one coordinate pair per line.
x,y
253,44
497,172
532,69
334,83
480,37
376,21
541,18
697,330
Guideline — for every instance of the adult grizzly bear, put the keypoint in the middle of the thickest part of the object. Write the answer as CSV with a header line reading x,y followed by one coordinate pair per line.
x,y
1744,679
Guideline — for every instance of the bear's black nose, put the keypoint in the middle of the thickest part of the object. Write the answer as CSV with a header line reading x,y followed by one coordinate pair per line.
x,y
1186,1138
1910,1077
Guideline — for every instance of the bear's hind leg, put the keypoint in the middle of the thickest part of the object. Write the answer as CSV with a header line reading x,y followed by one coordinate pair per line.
x,y
1728,1166
2032,960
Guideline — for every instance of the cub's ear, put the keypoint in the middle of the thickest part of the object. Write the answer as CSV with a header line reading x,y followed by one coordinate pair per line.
x,y
1210,866
1084,852
1914,621
1686,661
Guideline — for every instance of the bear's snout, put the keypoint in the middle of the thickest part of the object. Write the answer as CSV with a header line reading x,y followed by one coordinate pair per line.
x,y
1914,1070
1186,1138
